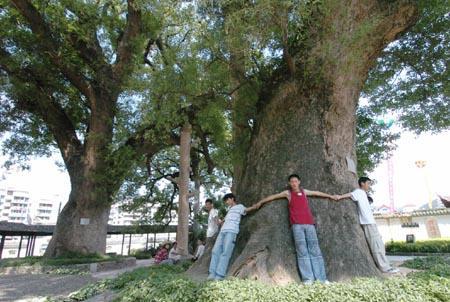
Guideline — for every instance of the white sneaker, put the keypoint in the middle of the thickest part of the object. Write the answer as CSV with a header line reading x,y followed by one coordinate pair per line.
x,y
326,282
393,270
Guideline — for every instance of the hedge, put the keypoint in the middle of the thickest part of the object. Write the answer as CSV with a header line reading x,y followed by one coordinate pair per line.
x,y
426,246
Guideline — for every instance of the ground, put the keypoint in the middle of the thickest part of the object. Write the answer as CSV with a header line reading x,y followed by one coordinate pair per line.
x,y
38,286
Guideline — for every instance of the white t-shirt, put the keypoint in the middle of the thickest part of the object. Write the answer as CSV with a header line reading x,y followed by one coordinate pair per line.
x,y
173,254
212,223
233,219
364,208
200,251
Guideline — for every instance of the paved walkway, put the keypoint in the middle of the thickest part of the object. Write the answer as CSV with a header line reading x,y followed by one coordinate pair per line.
x,y
37,287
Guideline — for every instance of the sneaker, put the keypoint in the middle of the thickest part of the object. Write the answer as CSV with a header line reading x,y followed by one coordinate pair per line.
x,y
308,282
326,282
393,270
211,277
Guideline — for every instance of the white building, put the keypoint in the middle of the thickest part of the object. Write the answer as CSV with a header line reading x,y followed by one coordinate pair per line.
x,y
423,224
46,210
14,205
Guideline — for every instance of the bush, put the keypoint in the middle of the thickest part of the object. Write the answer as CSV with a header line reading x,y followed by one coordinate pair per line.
x,y
433,266
158,273
426,246
167,283
143,254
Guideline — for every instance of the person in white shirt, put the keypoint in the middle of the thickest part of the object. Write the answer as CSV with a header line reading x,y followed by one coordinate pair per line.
x,y
174,256
200,250
369,225
213,222
224,245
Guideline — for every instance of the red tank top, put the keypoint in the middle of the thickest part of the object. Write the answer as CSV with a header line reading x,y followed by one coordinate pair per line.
x,y
299,211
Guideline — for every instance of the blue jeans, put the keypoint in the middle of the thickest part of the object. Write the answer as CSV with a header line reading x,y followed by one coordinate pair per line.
x,y
221,254
309,257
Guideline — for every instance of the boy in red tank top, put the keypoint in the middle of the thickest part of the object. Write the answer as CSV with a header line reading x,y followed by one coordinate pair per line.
x,y
309,257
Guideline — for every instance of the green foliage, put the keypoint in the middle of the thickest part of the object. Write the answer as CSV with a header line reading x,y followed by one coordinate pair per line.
x,y
426,246
375,141
158,273
430,266
426,263
411,77
142,254
167,283
57,261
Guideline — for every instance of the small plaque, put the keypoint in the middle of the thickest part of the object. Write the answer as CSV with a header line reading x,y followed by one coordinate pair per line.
x,y
84,221
351,166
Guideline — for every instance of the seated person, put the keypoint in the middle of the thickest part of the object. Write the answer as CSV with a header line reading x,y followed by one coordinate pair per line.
x,y
174,256
200,250
162,253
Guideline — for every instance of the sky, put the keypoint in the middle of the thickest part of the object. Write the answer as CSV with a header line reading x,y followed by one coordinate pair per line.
x,y
46,179
410,182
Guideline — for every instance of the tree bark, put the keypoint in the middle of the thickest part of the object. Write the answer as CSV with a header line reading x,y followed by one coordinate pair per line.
x,y
306,125
183,184
73,233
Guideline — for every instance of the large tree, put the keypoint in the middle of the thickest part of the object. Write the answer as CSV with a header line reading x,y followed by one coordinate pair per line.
x,y
300,116
66,68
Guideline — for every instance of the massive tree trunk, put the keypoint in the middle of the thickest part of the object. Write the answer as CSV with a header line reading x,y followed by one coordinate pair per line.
x,y
82,224
306,125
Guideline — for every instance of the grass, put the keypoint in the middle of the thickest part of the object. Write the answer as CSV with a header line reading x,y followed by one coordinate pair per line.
x,y
66,259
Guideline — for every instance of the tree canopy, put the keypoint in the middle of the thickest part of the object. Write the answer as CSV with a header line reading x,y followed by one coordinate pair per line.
x,y
171,61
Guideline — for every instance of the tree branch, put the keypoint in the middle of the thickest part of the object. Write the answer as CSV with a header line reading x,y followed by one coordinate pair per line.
x,y
42,103
125,45
50,45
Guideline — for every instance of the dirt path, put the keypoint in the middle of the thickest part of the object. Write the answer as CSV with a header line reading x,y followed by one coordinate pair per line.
x,y
35,287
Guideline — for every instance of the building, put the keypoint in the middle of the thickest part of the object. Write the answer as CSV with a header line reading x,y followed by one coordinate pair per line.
x,y
423,224
15,205
46,210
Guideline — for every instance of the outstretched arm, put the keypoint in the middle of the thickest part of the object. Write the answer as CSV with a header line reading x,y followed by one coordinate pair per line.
x,y
252,208
271,198
344,196
321,194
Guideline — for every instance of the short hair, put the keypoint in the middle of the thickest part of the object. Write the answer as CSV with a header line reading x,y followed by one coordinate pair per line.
x,y
362,180
209,200
293,176
229,195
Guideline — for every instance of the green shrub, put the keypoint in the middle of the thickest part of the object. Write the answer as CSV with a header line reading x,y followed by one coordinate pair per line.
x,y
167,283
424,263
426,246
158,273
433,266
142,254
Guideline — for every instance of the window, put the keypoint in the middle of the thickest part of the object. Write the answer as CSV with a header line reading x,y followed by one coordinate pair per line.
x,y
12,252
44,211
9,192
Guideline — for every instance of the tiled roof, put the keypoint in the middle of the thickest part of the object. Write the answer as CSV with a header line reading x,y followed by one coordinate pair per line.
x,y
18,229
432,212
